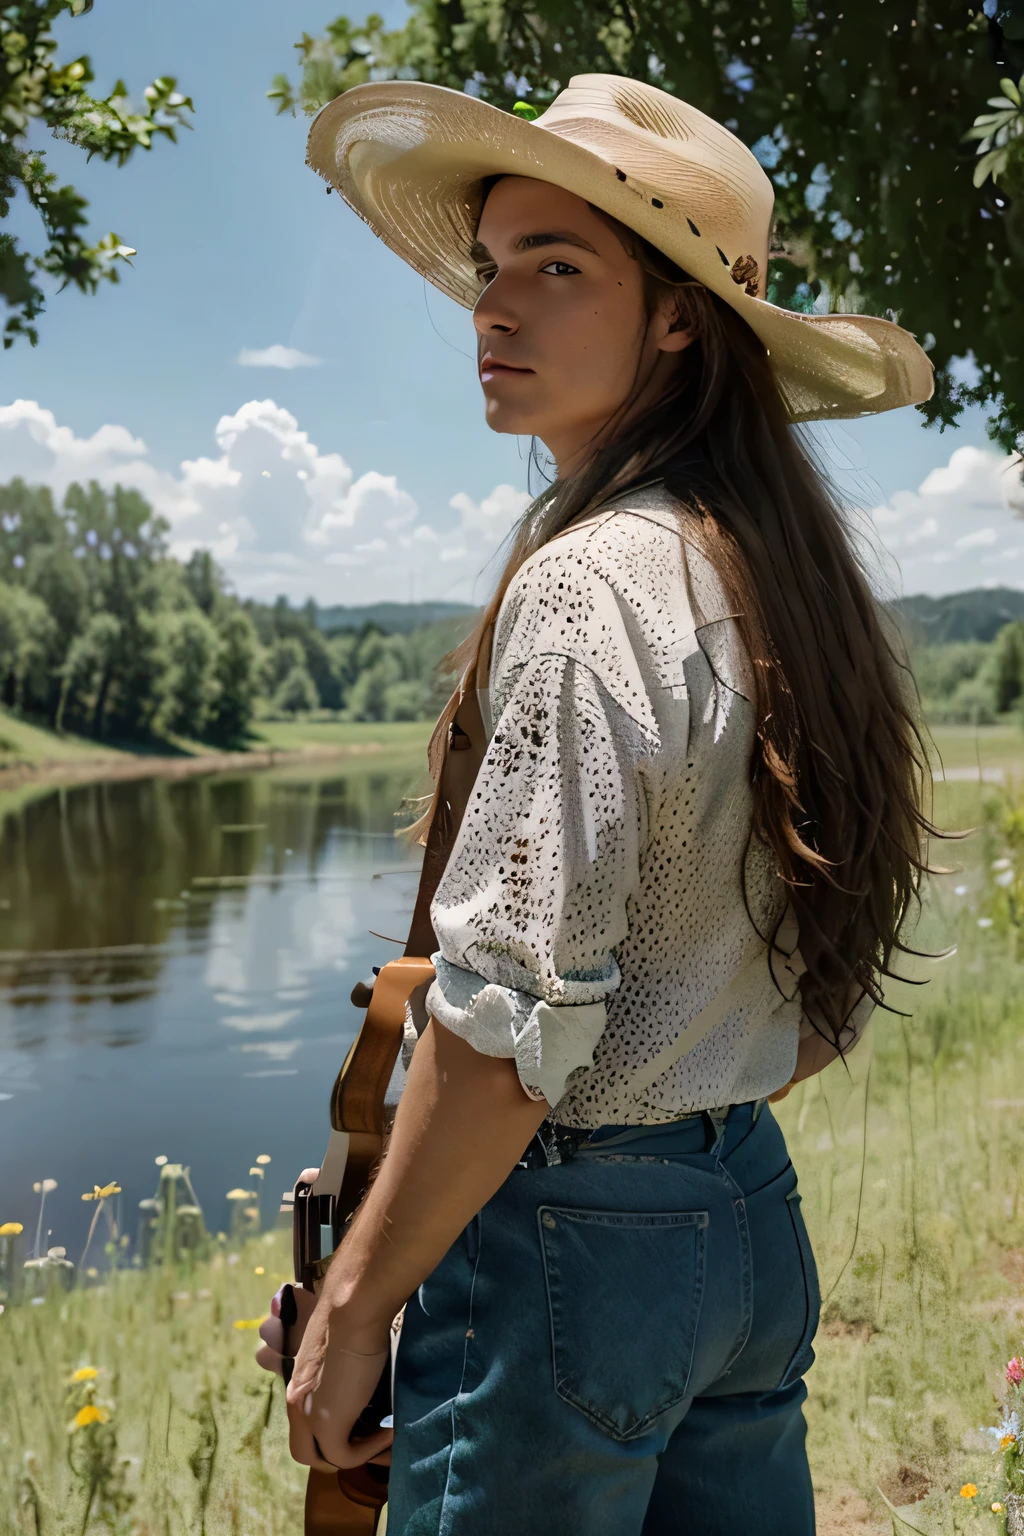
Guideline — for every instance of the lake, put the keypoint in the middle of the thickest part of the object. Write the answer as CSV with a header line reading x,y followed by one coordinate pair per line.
x,y
176,958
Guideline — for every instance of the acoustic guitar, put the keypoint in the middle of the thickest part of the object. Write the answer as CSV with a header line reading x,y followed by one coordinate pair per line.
x,y
350,1502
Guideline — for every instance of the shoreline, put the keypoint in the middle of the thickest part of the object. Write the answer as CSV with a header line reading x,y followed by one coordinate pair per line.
x,y
57,771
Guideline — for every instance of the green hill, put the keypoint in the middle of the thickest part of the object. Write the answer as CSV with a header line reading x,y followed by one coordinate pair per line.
x,y
392,618
976,615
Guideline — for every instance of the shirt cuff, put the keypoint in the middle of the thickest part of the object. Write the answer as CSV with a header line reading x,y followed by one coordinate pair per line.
x,y
547,1043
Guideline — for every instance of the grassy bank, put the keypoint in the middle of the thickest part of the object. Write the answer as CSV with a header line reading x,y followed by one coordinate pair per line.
x,y
34,761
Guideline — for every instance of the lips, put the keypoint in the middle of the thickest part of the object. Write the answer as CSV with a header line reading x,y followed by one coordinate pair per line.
x,y
491,368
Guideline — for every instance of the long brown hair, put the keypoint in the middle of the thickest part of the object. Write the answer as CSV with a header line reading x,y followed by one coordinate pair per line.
x,y
839,770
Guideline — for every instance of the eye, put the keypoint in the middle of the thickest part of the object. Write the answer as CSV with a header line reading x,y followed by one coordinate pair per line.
x,y
561,269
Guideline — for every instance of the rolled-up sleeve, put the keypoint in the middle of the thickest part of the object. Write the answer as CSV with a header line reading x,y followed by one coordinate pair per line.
x,y
534,899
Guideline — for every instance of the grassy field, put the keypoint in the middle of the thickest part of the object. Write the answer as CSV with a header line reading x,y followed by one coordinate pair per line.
x,y
23,742
911,1168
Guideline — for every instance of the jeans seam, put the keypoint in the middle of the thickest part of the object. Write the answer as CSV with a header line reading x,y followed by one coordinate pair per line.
x,y
443,1524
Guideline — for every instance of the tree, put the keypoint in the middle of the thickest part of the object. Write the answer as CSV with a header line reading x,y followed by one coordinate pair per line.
x,y
189,684
35,88
89,670
858,113
1008,666
297,692
26,632
238,669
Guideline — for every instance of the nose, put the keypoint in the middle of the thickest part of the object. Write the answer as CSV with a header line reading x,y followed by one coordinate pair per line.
x,y
493,314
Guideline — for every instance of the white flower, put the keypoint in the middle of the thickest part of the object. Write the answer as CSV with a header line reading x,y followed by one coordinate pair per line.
x,y
1006,878
984,922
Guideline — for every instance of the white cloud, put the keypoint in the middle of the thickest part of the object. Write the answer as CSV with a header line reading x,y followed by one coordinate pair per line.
x,y
943,533
495,515
276,511
276,357
979,540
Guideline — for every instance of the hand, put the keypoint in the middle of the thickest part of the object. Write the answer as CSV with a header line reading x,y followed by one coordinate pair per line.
x,y
276,1348
335,1373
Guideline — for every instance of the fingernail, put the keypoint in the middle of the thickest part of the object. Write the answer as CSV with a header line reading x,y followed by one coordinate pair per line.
x,y
307,1404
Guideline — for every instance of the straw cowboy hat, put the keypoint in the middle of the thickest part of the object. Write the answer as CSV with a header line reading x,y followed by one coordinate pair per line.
x,y
411,159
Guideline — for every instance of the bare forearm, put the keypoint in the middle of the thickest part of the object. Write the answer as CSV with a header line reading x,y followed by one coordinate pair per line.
x,y
461,1127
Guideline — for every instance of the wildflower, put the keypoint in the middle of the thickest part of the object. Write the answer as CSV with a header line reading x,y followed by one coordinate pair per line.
x,y
90,1414
246,1322
11,1229
997,1508
160,1160
259,1270
85,1373
264,1157
45,1186
968,1491
1015,1371
104,1193
1005,1434
241,1194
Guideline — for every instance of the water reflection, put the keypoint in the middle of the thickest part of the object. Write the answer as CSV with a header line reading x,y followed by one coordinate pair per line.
x,y
175,963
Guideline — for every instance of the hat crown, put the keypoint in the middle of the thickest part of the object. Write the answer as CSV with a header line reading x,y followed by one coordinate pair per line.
x,y
670,150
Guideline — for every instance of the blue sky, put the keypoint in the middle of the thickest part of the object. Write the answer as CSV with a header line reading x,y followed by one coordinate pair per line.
x,y
371,474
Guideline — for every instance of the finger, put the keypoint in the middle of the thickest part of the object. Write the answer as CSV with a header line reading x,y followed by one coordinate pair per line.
x,y
356,1452
302,1444
271,1360
272,1333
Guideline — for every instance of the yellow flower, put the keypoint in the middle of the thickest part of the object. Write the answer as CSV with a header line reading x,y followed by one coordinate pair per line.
x,y
241,1194
264,1157
247,1322
90,1414
968,1491
1007,1441
85,1373
11,1229
259,1270
102,1193
997,1508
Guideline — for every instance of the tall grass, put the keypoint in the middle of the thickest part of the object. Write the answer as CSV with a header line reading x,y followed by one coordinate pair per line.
x,y
196,1433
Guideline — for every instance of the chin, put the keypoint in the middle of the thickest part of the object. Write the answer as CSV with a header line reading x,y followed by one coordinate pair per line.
x,y
503,418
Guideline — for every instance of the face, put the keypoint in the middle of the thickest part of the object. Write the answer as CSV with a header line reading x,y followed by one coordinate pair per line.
x,y
564,339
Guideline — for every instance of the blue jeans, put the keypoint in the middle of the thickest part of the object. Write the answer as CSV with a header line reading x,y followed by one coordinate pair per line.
x,y
615,1346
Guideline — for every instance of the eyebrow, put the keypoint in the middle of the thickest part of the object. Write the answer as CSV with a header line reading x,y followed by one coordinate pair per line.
x,y
481,256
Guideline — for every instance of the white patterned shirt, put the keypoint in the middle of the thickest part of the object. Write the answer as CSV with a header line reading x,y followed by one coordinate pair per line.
x,y
593,903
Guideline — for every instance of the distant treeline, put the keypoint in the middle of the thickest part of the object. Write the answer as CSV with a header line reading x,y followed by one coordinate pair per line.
x,y
967,651
103,632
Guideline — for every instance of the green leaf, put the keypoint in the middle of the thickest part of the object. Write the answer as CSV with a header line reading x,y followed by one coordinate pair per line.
x,y
899,1521
992,164
1013,91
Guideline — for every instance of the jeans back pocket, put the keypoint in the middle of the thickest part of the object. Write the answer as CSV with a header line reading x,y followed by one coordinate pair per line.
x,y
624,1296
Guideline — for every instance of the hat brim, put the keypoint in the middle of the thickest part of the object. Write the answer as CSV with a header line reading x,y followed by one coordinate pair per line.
x,y
412,159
